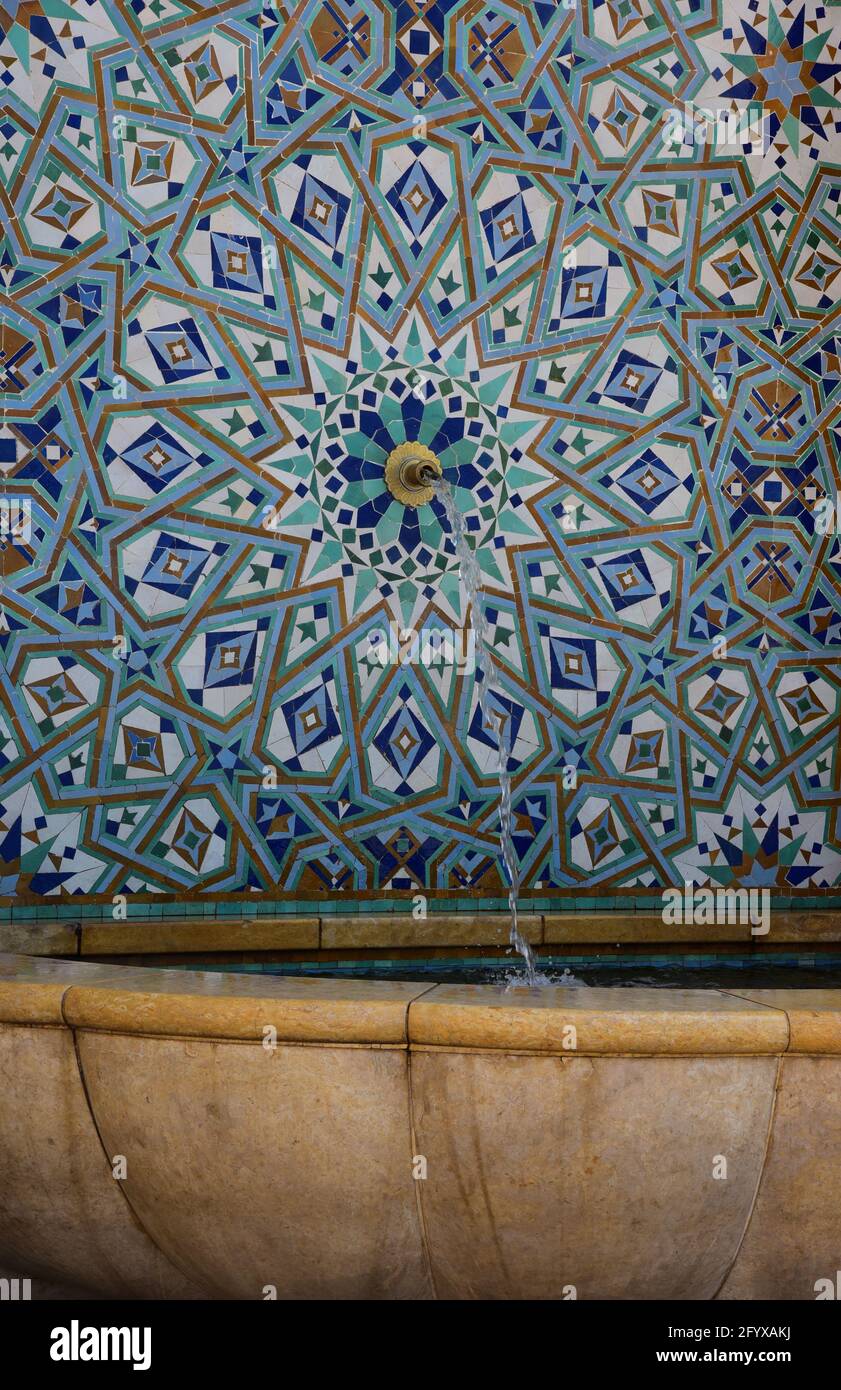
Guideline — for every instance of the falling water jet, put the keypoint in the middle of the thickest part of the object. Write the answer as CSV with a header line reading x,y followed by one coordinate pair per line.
x,y
487,674
413,475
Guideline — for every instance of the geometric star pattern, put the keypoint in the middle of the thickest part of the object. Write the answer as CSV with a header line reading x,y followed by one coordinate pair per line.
x,y
246,250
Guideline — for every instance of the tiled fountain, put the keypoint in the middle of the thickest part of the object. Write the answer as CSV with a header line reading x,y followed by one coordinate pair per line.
x,y
323,318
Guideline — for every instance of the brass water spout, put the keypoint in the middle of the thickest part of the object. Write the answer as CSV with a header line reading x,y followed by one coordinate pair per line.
x,y
411,471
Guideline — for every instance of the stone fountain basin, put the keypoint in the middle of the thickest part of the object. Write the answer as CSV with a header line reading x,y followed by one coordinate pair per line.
x,y
274,1135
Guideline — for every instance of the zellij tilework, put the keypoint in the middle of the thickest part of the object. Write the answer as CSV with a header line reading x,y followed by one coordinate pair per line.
x,y
248,249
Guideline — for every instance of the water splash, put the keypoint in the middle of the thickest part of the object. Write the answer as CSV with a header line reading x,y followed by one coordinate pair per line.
x,y
488,675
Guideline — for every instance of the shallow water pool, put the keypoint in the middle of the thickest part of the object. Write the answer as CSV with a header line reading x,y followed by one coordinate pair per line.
x,y
659,972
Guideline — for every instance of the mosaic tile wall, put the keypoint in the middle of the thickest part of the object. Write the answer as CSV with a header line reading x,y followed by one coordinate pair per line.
x,y
245,251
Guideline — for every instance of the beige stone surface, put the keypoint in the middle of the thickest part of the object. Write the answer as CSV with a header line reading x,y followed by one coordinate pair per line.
x,y
185,936
615,927
32,988
63,1217
203,1003
45,1291
360,930
438,929
40,938
794,1237
590,1165
804,926
814,1016
546,1173
628,1019
288,1167
210,1004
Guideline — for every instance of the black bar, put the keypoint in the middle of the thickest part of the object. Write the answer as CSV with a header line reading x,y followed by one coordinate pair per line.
x,y
254,1340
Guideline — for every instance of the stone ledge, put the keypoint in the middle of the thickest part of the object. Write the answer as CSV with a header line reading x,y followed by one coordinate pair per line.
x,y
399,930
814,1016
32,988
439,929
206,1005
40,938
176,937
581,928
627,1020
203,1004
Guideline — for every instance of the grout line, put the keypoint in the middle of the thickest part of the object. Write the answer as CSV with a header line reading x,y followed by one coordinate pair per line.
x,y
733,994
762,1167
410,1098
134,1217
419,1182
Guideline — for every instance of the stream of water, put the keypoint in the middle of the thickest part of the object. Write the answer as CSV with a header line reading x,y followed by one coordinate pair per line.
x,y
487,676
